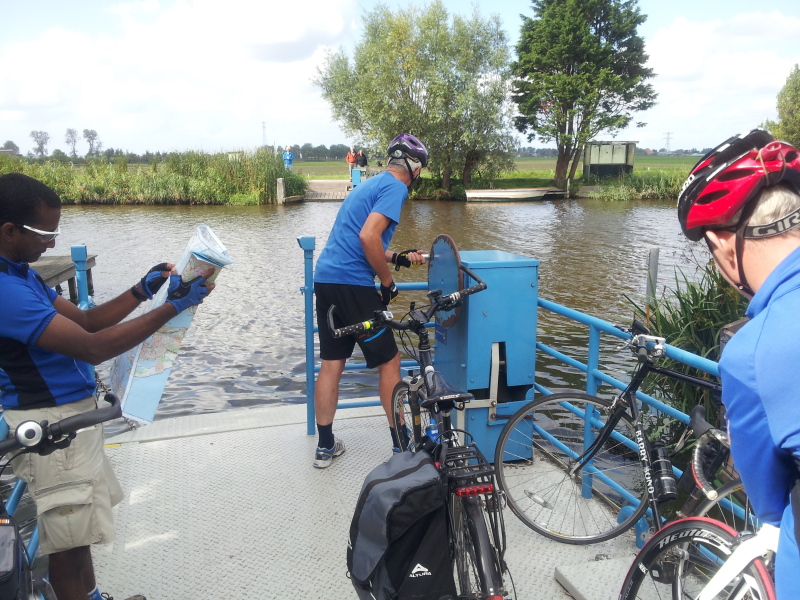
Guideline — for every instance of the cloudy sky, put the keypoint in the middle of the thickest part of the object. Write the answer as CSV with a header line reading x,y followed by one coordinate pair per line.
x,y
213,75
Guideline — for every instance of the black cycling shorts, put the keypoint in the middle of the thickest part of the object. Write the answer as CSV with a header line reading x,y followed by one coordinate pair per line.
x,y
354,304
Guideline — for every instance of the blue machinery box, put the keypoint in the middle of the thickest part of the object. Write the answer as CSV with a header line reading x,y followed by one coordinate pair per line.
x,y
491,349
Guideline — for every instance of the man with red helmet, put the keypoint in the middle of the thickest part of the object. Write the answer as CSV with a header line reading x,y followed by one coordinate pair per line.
x,y
743,198
356,252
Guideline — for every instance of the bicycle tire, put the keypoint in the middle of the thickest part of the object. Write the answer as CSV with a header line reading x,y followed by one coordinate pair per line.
x,y
476,563
534,452
407,412
682,557
734,491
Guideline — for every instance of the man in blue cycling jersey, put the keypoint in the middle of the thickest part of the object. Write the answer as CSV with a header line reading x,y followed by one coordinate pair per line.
x,y
743,198
356,252
46,348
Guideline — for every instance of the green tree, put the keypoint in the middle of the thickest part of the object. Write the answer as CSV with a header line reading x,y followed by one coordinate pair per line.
x,y
59,156
580,71
9,145
90,135
420,71
40,139
71,139
788,126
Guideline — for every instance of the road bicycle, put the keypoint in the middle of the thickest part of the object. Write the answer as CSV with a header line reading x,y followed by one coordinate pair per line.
x,y
423,403
703,559
581,469
16,577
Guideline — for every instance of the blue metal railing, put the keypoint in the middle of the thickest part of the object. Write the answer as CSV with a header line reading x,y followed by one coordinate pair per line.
x,y
79,256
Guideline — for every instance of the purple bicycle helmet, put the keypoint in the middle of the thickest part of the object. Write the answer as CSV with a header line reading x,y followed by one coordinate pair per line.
x,y
406,145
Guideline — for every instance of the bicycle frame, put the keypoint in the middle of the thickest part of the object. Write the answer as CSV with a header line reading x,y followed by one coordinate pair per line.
x,y
627,402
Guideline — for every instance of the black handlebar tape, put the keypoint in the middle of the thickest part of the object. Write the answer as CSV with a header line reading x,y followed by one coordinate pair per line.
x,y
641,353
638,327
353,329
74,423
697,421
698,472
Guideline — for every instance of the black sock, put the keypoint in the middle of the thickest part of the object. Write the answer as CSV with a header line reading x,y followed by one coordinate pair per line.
x,y
325,436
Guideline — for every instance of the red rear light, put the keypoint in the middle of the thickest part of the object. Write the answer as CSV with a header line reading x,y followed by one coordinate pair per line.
x,y
476,490
494,598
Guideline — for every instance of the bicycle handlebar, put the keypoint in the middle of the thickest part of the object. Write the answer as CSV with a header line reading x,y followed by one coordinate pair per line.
x,y
384,318
35,436
705,433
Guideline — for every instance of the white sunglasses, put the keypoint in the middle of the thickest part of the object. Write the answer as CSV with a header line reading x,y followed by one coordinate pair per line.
x,y
46,236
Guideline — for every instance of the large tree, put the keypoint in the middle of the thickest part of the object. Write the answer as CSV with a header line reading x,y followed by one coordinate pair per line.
x,y
580,71
40,139
419,70
71,139
788,126
9,145
95,145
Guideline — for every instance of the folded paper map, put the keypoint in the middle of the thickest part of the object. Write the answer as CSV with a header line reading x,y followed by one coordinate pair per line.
x,y
140,375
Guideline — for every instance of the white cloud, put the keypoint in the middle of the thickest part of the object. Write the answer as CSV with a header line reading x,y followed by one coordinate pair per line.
x,y
196,74
716,78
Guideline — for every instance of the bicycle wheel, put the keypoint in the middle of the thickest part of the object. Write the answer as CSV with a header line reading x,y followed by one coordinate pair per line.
x,y
476,563
680,559
406,412
535,452
737,514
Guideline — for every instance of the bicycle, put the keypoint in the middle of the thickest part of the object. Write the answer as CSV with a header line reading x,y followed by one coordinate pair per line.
x,y
16,574
702,559
476,528
580,469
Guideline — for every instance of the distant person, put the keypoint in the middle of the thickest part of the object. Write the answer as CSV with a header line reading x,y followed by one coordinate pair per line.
x,y
351,158
356,252
361,159
47,347
743,200
288,157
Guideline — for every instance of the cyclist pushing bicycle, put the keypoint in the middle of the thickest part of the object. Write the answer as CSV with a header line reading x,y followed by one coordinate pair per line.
x,y
743,199
47,347
356,252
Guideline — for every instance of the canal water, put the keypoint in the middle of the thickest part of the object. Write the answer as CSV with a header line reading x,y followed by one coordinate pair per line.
x,y
246,346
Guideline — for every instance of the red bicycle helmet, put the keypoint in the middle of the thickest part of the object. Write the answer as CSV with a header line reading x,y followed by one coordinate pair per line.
x,y
719,189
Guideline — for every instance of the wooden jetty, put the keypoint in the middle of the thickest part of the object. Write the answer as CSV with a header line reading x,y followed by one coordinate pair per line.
x,y
55,270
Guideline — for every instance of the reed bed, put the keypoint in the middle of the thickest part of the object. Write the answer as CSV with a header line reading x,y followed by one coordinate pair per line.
x,y
690,317
187,178
654,184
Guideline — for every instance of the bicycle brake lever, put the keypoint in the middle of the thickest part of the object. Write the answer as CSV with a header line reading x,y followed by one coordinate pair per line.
x,y
51,447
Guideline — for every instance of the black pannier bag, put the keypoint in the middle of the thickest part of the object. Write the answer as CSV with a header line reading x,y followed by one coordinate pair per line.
x,y
398,547
13,574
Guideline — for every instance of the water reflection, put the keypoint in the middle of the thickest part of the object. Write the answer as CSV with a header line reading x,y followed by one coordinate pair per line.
x,y
246,347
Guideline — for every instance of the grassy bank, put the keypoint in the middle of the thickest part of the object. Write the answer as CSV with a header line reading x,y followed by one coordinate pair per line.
x,y
186,178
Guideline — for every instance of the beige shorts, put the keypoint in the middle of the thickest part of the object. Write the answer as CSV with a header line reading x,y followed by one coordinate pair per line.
x,y
74,488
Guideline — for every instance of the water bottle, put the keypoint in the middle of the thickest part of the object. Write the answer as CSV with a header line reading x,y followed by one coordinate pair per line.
x,y
432,431
663,476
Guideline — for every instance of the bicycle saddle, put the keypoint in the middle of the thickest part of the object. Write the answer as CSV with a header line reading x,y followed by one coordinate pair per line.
x,y
441,391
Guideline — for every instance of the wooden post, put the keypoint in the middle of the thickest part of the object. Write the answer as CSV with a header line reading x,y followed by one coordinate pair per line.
x,y
281,195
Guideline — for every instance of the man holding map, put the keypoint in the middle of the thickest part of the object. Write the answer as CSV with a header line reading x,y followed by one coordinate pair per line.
x,y
46,348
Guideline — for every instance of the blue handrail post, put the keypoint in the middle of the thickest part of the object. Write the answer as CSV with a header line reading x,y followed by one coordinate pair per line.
x,y
79,257
592,365
308,243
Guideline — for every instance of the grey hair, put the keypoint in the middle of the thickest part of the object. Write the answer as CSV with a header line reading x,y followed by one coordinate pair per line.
x,y
775,202
401,162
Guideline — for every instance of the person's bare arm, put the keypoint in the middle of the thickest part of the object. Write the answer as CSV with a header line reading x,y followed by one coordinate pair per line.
x,y
370,237
65,336
99,317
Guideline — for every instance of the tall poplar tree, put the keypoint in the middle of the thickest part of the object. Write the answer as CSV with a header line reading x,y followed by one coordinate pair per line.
x,y
580,71
443,79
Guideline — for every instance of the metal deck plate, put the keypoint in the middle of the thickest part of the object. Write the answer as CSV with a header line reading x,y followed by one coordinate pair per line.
x,y
228,506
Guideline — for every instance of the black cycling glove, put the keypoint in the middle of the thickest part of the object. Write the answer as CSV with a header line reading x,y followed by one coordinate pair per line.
x,y
388,293
400,259
153,280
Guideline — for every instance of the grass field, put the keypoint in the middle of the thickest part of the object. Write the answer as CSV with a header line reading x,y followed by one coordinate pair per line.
x,y
530,171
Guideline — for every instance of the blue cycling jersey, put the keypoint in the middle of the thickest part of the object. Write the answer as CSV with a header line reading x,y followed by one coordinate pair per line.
x,y
761,392
31,377
343,260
